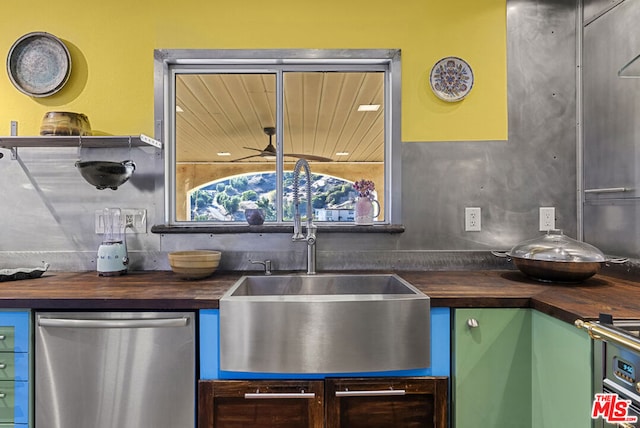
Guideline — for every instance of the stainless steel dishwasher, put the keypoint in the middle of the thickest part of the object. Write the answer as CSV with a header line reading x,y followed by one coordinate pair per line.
x,y
115,369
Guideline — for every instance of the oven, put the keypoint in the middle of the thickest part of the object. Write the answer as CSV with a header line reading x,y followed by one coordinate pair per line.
x,y
616,372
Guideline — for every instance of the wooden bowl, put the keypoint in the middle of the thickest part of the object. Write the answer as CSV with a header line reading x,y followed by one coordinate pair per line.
x,y
194,264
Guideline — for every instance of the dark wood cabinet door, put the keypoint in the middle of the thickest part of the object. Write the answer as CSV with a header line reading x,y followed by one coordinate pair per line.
x,y
404,402
257,404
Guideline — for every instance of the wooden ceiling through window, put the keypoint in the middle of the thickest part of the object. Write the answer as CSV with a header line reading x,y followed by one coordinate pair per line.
x,y
227,112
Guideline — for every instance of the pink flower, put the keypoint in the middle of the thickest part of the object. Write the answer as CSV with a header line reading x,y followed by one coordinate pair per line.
x,y
364,188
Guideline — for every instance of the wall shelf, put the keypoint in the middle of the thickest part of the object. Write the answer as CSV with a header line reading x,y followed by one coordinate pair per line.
x,y
13,142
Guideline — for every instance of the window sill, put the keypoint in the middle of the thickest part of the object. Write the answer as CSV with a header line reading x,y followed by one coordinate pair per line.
x,y
276,228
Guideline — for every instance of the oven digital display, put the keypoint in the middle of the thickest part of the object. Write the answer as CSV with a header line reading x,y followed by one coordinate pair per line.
x,y
626,369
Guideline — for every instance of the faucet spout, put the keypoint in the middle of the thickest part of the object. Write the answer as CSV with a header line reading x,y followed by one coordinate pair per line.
x,y
310,237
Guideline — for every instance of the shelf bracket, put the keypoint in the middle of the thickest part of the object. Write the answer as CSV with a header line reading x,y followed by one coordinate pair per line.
x,y
151,141
14,132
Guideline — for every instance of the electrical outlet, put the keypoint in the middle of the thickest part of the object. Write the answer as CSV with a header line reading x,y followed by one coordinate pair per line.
x,y
472,222
547,218
135,218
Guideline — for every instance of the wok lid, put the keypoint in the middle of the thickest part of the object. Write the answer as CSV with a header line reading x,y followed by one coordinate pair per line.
x,y
555,246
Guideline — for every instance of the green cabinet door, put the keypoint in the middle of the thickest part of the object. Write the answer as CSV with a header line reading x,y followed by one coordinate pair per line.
x,y
492,368
561,374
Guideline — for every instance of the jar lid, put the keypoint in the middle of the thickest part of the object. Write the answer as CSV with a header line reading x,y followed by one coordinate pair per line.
x,y
555,246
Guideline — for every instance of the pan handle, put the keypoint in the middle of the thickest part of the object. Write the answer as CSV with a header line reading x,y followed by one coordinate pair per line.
x,y
618,261
501,254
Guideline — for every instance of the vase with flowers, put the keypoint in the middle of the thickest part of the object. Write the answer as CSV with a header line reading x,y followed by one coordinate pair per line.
x,y
364,211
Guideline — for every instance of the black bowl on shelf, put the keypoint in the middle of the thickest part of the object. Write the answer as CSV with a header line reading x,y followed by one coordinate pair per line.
x,y
105,174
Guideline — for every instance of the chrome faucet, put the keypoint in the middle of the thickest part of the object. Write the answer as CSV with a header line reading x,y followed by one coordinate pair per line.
x,y
311,228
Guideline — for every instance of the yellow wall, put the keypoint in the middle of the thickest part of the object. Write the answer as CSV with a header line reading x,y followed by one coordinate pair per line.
x,y
112,42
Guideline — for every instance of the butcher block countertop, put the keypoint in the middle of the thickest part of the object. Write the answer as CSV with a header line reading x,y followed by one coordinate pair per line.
x,y
163,290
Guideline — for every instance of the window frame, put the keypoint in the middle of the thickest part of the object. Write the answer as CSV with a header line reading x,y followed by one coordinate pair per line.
x,y
279,61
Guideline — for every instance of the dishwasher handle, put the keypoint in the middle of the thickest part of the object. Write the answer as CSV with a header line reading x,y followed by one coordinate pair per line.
x,y
113,323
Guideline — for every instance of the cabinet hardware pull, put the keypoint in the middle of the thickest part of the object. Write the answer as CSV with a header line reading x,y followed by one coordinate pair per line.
x,y
3,395
609,190
3,366
268,395
113,323
472,323
374,393
2,337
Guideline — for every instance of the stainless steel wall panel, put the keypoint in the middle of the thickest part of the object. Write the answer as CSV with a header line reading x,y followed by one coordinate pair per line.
x,y
614,225
50,207
611,102
593,9
611,146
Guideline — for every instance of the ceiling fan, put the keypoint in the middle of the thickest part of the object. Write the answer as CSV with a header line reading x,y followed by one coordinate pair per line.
x,y
270,150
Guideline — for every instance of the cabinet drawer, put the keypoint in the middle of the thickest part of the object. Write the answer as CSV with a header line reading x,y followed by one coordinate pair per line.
x,y
14,404
387,402
261,404
14,366
7,401
14,331
7,338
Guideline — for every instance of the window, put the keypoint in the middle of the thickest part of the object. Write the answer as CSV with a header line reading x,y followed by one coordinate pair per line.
x,y
235,122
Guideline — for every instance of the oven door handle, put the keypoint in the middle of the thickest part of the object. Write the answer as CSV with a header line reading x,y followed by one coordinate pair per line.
x,y
600,332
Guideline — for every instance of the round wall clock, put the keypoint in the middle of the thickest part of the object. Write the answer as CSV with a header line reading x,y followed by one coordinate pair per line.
x,y
451,79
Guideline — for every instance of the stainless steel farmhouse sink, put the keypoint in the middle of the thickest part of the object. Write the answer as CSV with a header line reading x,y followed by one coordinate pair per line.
x,y
325,323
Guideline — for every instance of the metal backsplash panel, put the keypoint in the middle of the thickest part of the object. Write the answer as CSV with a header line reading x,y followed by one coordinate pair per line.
x,y
613,226
611,129
593,9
